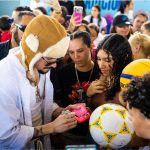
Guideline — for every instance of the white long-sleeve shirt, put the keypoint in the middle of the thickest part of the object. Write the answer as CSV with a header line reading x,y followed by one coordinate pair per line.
x,y
16,129
103,22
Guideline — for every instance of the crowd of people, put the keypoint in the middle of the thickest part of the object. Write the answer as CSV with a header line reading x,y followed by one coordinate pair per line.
x,y
50,63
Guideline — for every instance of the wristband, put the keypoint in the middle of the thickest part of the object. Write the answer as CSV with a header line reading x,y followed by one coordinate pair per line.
x,y
37,133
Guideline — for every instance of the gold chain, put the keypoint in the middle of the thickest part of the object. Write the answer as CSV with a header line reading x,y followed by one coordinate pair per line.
x,y
38,96
35,84
78,76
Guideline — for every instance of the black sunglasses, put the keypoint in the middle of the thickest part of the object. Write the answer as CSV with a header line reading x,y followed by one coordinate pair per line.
x,y
52,62
21,27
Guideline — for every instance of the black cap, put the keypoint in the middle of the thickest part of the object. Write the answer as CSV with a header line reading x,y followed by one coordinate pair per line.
x,y
121,20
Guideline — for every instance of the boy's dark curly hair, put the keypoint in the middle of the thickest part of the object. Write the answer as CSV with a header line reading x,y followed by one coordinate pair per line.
x,y
138,94
119,47
5,23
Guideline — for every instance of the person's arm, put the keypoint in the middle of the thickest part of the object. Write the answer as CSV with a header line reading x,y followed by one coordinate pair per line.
x,y
104,26
72,25
96,87
104,30
61,124
74,20
13,41
57,110
55,5
13,134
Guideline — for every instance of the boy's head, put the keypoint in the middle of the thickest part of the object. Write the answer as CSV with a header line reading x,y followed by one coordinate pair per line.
x,y
138,102
5,23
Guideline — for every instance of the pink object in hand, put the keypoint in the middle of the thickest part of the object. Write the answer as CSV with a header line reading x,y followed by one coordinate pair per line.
x,y
78,14
81,114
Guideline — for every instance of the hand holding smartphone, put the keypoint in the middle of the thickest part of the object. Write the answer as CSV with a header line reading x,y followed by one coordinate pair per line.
x,y
78,10
81,114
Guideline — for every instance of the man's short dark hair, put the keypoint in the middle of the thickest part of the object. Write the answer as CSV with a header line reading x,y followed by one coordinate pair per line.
x,y
138,94
42,9
147,25
22,8
142,13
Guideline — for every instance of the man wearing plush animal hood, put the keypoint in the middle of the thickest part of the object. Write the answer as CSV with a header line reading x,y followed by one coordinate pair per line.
x,y
26,93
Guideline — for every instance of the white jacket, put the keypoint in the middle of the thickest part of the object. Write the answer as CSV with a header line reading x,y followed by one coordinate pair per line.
x,y
15,113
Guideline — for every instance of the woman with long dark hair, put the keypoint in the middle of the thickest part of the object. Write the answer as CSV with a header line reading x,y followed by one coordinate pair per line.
x,y
126,8
96,18
113,54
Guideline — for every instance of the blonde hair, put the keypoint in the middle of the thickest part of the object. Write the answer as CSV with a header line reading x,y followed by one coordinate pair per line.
x,y
143,40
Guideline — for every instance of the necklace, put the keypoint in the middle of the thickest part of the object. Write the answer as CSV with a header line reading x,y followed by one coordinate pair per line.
x,y
34,83
84,85
92,66
78,76
38,96
79,90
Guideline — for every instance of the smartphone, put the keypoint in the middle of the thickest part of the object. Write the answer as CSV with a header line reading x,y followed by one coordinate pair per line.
x,y
77,12
80,147
82,114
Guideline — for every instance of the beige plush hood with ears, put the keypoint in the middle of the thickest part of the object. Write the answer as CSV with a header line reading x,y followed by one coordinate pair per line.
x,y
44,36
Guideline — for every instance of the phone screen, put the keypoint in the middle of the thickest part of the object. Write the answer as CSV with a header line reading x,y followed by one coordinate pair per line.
x,y
80,147
78,14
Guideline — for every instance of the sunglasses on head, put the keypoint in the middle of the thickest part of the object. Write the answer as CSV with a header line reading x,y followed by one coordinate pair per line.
x,y
10,20
21,27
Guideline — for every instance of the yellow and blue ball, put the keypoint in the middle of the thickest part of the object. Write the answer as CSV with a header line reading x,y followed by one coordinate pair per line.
x,y
136,68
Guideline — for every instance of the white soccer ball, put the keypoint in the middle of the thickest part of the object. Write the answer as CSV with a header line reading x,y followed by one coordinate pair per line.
x,y
110,126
